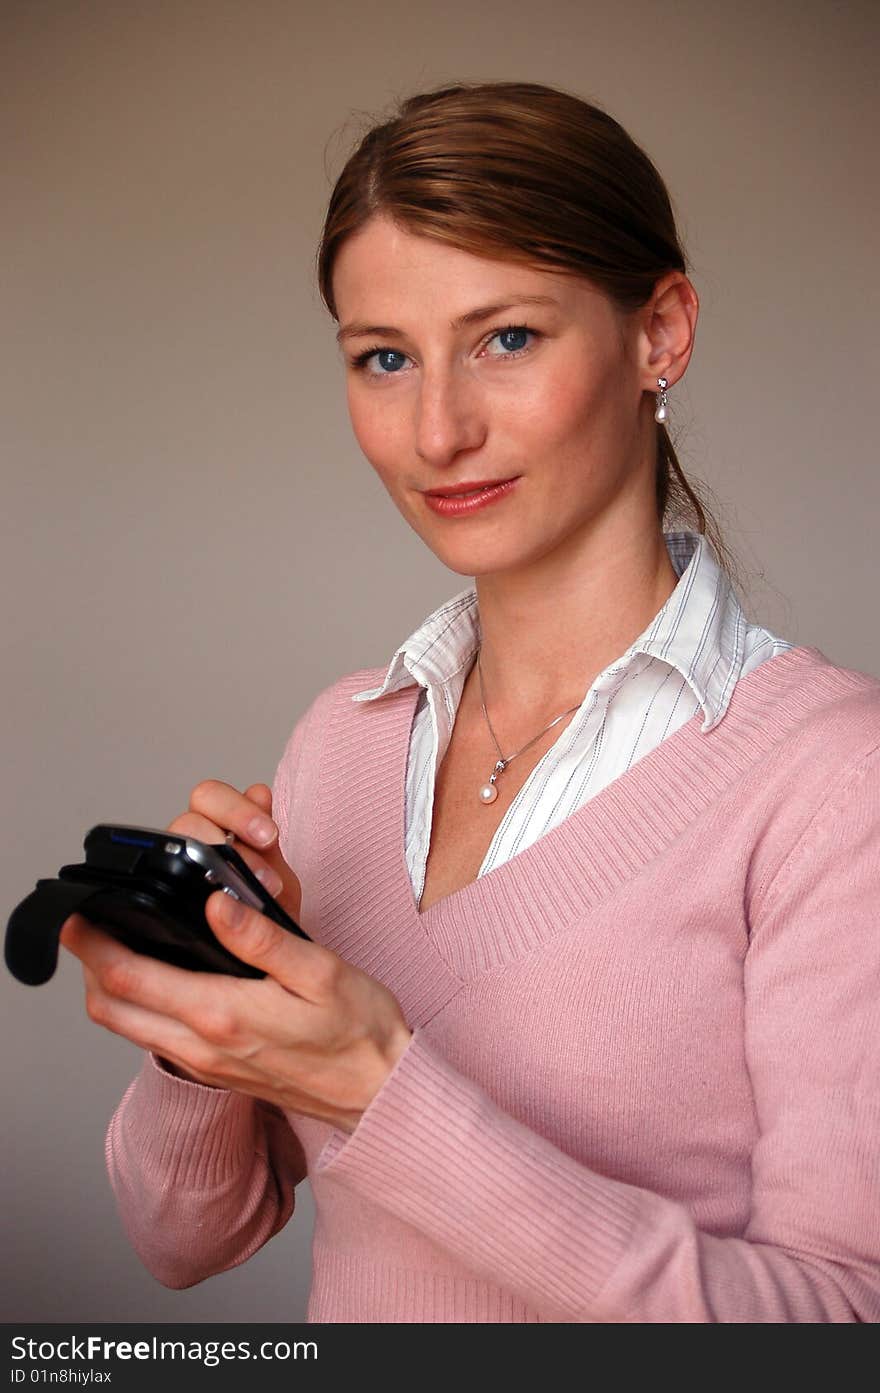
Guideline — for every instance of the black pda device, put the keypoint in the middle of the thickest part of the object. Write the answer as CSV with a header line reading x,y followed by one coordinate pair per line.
x,y
148,889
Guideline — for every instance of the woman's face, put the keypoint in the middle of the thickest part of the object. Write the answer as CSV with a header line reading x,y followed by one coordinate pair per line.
x,y
549,394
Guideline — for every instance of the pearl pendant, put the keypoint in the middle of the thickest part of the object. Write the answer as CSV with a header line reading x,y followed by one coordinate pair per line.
x,y
661,414
488,793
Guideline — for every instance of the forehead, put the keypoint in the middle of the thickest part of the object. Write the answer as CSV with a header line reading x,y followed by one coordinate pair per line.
x,y
382,267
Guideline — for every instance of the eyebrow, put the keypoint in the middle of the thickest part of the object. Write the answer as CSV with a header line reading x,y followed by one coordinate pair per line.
x,y
355,330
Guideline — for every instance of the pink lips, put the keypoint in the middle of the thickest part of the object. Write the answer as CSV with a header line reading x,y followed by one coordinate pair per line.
x,y
455,504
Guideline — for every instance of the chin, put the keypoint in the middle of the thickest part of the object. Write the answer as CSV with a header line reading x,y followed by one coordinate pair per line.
x,y
476,562
465,557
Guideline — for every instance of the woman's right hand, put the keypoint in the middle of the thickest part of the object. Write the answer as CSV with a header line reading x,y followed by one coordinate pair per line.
x,y
216,809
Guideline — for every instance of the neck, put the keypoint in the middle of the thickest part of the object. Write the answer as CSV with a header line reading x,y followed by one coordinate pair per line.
x,y
548,632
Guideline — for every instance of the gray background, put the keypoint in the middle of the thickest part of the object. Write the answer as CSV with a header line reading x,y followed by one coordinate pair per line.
x,y
192,543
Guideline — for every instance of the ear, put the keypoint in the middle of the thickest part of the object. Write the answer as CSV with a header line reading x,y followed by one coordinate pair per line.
x,y
668,325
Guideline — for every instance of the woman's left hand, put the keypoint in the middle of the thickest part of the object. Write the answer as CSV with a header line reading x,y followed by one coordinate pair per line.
x,y
316,1036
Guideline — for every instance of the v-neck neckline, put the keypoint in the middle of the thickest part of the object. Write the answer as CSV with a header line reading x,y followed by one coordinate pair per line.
x,y
661,793
364,903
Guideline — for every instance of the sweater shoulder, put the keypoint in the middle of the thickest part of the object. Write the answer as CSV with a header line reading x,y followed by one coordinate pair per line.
x,y
822,710
802,734
307,735
362,679
340,693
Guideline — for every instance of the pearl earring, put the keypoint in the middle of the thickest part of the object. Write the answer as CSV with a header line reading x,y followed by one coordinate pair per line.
x,y
661,411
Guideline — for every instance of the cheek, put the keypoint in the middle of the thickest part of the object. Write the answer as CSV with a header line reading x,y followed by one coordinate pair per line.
x,y
591,402
556,406
378,430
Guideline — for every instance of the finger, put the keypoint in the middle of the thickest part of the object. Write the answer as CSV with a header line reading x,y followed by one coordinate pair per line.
x,y
223,805
149,1029
261,794
300,966
290,895
81,938
194,825
281,882
199,1001
174,1042
95,948
111,974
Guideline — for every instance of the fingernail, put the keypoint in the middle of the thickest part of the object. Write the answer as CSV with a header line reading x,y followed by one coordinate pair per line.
x,y
261,830
271,879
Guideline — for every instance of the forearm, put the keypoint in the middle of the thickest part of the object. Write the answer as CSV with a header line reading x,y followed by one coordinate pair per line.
x,y
436,1151
203,1177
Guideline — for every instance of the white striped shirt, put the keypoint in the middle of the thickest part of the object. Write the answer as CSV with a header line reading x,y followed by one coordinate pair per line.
x,y
688,659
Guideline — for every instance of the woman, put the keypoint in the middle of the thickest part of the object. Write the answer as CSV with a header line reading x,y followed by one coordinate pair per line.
x,y
588,1028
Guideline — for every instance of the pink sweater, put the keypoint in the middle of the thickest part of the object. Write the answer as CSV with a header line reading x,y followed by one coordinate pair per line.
x,y
644,1080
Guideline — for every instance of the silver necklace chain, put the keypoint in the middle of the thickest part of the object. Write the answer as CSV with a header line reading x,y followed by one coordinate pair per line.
x,y
488,792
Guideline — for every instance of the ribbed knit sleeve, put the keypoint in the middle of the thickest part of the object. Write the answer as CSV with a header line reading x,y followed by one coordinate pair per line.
x,y
436,1151
203,1177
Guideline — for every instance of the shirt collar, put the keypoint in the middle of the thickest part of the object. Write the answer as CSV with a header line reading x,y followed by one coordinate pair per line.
x,y
700,631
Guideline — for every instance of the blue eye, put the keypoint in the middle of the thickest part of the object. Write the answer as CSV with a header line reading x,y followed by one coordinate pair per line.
x,y
515,331
377,352
386,353
389,367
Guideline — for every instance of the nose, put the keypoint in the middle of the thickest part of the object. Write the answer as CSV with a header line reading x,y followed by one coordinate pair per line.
x,y
449,416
